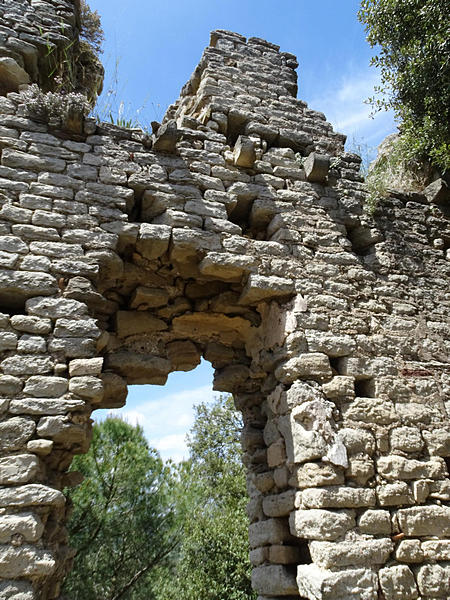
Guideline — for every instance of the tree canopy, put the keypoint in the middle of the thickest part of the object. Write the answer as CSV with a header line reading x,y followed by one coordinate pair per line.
x,y
414,58
123,517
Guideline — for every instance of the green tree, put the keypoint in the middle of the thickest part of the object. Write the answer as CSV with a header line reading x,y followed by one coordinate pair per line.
x,y
123,521
414,59
212,561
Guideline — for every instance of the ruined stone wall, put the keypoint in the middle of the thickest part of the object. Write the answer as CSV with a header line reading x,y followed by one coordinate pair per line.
x,y
235,232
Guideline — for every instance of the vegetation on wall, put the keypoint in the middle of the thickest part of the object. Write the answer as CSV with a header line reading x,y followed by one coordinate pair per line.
x,y
413,40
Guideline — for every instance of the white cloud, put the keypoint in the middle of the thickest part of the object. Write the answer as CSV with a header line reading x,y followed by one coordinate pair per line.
x,y
345,106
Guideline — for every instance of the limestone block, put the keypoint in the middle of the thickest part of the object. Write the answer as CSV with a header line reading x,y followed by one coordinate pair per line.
x,y
360,469
375,522
229,267
25,561
183,355
274,580
260,287
16,590
28,525
303,430
40,447
341,387
330,344
61,430
129,322
319,524
398,467
8,340
17,286
397,583
276,453
153,240
434,580
55,308
407,439
10,386
76,328
259,555
284,555
15,432
437,192
244,154
357,441
436,550
144,298
204,326
40,386
12,75
316,167
438,442
316,474
425,520
45,406
165,140
409,551
17,469
370,410
139,368
279,505
308,366
88,387
347,584
115,391
338,497
355,552
395,494
270,531
32,494
87,366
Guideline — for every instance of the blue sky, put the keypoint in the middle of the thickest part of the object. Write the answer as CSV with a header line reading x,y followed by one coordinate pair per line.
x,y
150,50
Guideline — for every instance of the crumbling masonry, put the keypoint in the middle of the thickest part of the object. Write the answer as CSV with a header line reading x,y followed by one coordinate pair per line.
x,y
235,232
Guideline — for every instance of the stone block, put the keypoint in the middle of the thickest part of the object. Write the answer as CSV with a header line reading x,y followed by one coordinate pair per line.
x,y
40,386
406,439
434,580
284,555
40,447
270,531
32,494
139,368
144,298
316,167
87,387
56,308
319,524
375,522
279,505
18,469
370,410
87,366
137,323
425,520
15,432
28,525
10,386
274,580
398,467
115,391
438,441
61,430
409,551
153,240
25,561
314,365
397,583
228,267
434,550
340,387
261,287
346,584
395,494
316,474
338,497
244,154
437,192
364,552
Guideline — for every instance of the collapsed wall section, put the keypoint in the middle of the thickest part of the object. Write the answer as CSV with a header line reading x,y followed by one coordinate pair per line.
x,y
235,232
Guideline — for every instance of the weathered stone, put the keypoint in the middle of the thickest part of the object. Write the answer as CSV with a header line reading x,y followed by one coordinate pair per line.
x,y
40,447
88,387
425,520
338,497
397,583
15,432
40,386
44,406
244,154
308,366
409,551
279,505
316,167
271,531
28,525
319,584
274,580
316,474
318,524
356,552
114,391
395,494
137,323
397,467
260,288
17,469
433,580
153,240
376,522
10,385
139,368
88,366
144,298
31,495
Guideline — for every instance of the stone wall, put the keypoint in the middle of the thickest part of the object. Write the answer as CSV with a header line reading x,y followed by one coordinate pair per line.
x,y
236,231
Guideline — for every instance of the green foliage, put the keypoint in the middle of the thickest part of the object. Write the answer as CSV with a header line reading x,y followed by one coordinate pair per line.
x,y
122,522
414,58
212,561
91,27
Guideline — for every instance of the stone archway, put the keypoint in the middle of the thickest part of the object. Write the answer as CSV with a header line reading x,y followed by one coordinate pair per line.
x,y
237,232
